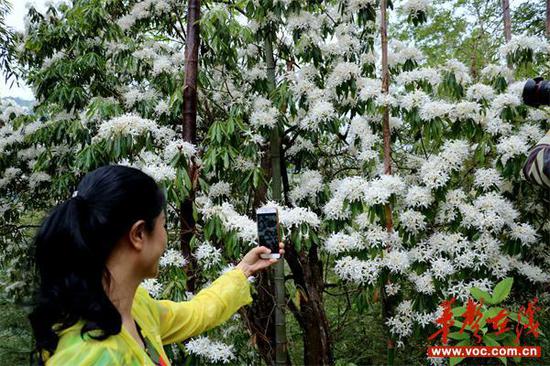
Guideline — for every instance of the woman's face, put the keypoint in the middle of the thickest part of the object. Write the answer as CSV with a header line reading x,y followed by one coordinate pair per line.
x,y
155,245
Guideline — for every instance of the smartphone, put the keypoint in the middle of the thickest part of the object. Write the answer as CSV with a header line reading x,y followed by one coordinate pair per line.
x,y
268,231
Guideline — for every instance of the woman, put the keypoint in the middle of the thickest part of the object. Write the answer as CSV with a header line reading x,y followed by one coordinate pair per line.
x,y
92,253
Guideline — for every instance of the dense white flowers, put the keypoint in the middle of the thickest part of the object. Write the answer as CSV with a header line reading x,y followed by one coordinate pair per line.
x,y
397,261
358,271
128,124
179,146
511,147
172,257
424,74
525,233
153,286
418,197
412,221
486,179
521,43
459,70
502,101
213,351
264,114
308,184
479,92
343,72
435,109
231,220
219,189
294,217
340,242
489,212
414,6
435,172
207,255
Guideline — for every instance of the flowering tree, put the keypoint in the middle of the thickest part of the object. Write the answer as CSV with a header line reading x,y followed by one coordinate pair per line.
x,y
108,79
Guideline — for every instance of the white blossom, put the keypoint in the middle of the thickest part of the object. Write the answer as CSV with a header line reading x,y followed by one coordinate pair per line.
x,y
511,147
341,242
219,189
172,257
358,271
487,178
213,351
152,286
207,255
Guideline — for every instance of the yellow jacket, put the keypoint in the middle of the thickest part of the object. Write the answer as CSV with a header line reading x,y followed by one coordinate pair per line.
x,y
161,321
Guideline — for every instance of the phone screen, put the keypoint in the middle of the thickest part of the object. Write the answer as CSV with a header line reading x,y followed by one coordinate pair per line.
x,y
267,231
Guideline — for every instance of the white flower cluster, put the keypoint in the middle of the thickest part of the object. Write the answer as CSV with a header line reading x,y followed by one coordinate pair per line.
x,y
418,196
492,72
435,109
341,242
423,283
152,165
343,72
480,92
486,179
489,212
128,124
369,88
461,290
207,255
414,6
321,111
172,257
435,172
505,100
358,271
308,184
397,261
392,288
153,286
231,220
402,53
414,99
37,178
521,43
264,114
427,74
219,189
459,70
142,10
412,221
525,233
176,147
296,216
213,351
511,147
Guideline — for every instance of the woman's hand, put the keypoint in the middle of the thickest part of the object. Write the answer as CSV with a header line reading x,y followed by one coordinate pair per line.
x,y
252,261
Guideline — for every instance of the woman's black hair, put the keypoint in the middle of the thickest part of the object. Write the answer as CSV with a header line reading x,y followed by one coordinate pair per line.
x,y
72,247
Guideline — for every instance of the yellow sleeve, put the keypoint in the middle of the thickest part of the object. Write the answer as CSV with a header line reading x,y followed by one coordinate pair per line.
x,y
85,355
209,308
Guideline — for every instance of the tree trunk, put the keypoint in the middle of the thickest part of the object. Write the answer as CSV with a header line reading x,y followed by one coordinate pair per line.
x,y
548,19
307,272
189,134
386,302
507,22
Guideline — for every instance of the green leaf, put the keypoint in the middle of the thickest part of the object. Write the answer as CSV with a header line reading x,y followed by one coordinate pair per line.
x,y
502,290
459,336
481,295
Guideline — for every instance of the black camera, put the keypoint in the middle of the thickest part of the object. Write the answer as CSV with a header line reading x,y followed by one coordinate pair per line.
x,y
536,92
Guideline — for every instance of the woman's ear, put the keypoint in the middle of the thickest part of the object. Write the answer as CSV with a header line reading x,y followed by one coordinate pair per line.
x,y
137,235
